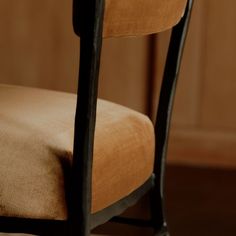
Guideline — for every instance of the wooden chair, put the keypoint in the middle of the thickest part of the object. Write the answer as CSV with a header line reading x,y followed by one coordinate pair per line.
x,y
63,179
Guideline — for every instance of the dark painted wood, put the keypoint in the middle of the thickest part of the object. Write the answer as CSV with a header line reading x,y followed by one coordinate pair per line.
x,y
33,226
164,111
88,18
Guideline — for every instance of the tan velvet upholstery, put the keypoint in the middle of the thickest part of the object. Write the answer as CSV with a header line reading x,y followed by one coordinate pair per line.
x,y
36,137
138,17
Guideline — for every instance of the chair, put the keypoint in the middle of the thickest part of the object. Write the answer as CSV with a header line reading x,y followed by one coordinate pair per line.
x,y
56,176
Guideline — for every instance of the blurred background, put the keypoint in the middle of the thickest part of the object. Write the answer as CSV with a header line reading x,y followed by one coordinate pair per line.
x,y
38,48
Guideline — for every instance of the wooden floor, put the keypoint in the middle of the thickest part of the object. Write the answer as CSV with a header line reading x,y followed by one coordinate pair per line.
x,y
200,201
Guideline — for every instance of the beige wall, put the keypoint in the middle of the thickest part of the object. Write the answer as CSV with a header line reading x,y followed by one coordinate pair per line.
x,y
204,121
39,48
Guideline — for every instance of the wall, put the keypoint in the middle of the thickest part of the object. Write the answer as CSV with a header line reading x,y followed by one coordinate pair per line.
x,y
39,48
204,118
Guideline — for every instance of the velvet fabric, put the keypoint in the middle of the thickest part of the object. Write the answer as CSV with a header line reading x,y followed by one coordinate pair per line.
x,y
140,17
36,140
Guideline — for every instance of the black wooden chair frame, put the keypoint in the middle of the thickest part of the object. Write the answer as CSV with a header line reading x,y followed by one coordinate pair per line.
x,y
88,24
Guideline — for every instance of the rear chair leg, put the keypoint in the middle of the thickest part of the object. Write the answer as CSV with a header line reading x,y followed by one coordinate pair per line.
x,y
162,124
162,232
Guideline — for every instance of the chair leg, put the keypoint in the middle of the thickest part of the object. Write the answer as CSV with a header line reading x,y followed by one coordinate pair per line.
x,y
157,213
162,232
163,119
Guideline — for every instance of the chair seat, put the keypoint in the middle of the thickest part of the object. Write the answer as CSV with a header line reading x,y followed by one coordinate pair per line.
x,y
36,140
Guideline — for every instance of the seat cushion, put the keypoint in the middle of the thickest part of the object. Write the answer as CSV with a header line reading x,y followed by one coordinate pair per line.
x,y
36,140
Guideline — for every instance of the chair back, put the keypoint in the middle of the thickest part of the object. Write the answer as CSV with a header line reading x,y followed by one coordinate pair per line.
x,y
130,17
140,17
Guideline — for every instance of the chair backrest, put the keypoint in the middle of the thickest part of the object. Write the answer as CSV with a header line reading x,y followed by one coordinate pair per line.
x,y
131,17
138,17
93,20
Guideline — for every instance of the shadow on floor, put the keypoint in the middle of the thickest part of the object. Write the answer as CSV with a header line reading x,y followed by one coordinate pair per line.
x,y
199,201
